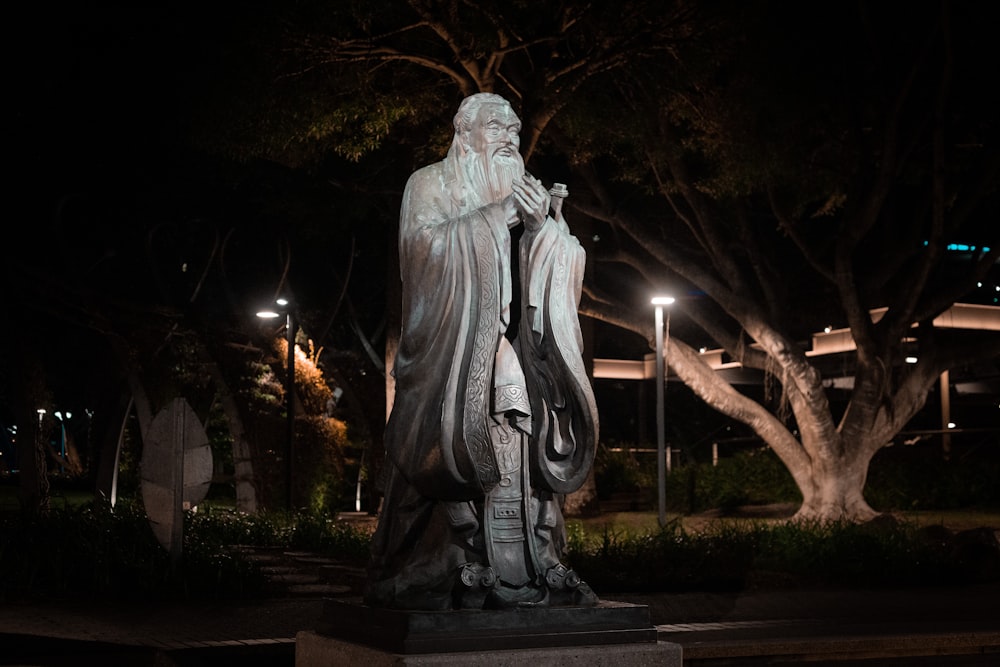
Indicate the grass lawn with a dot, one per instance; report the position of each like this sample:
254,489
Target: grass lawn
63,497
645,522
632,523
58,499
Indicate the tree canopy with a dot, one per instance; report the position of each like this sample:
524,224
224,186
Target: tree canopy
783,167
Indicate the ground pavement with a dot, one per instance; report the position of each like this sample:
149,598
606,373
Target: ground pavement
930,626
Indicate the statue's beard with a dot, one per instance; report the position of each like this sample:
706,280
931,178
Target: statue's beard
490,180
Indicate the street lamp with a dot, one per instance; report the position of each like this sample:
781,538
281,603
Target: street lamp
62,438
662,455
289,388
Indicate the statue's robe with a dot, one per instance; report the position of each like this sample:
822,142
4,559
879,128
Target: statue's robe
459,374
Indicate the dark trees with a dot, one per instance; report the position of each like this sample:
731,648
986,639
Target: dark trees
812,182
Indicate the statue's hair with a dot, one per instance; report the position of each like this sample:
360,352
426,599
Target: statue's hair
469,108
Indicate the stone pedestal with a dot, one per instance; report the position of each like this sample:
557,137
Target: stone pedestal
316,650
611,633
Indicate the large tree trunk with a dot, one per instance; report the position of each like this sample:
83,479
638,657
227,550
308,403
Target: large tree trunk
829,471
832,476
834,487
246,483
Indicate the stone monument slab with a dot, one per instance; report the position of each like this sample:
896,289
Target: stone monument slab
404,631
315,650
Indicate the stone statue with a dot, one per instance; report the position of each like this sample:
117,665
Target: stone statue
494,417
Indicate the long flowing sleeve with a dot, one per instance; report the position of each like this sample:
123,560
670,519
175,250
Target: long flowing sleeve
456,288
564,412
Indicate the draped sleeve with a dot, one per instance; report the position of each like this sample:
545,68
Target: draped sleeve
565,420
456,287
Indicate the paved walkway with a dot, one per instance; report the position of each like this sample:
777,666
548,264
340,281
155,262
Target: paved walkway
948,626
954,625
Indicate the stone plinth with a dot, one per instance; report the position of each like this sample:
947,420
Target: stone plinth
402,631
607,634
315,650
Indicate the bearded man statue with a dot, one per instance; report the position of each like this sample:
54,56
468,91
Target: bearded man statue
494,417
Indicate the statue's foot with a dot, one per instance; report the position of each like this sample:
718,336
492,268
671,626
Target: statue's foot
482,589
581,596
477,583
567,589
504,597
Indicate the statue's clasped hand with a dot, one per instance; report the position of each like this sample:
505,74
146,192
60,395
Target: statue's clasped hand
532,201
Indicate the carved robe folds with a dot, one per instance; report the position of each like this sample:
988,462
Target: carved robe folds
488,428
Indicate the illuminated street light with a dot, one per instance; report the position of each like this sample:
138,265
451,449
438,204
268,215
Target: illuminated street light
269,314
62,436
662,455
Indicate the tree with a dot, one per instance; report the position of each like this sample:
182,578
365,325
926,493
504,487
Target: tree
787,168
834,181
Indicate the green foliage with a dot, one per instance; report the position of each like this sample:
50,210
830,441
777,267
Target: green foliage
220,438
128,461
910,478
669,559
873,554
358,128
321,443
262,389
93,550
622,471
85,549
731,556
317,532
900,478
223,528
747,478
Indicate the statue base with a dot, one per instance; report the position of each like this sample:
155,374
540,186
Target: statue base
424,632
315,650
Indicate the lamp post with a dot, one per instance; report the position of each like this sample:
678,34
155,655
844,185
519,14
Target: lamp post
662,456
62,438
289,391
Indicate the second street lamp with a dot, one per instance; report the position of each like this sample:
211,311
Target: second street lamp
662,456
289,392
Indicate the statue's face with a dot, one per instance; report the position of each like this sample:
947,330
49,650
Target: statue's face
491,161
495,133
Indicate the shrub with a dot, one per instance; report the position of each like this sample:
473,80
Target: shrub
94,550
622,471
751,477
316,532
732,556
903,477
899,478
83,549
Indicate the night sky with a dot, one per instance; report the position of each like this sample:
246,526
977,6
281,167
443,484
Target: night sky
103,119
